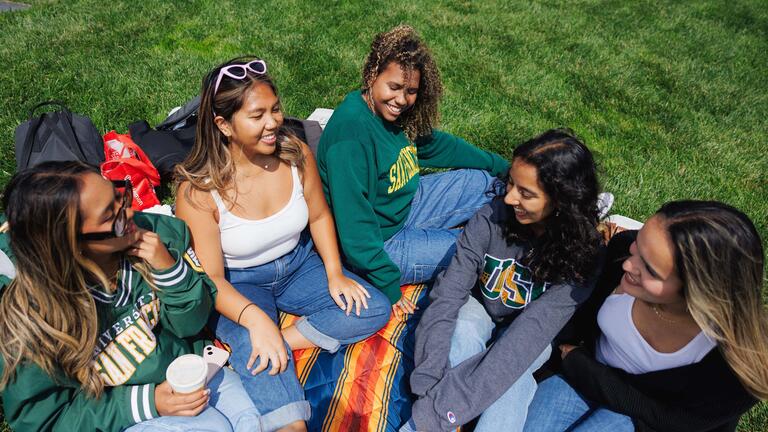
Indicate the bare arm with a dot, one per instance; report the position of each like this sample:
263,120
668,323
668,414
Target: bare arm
322,228
201,217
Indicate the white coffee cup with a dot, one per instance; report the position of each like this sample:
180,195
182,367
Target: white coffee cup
187,373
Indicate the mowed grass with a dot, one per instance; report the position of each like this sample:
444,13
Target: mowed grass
672,97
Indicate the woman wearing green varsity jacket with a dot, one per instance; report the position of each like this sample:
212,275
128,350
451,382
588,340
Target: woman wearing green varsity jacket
100,302
394,226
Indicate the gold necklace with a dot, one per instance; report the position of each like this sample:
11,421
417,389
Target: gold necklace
658,311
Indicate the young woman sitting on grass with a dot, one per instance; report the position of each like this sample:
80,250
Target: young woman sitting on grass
675,336
249,190
103,300
396,227
523,265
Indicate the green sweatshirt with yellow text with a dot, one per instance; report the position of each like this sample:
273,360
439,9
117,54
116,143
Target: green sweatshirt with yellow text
370,173
141,331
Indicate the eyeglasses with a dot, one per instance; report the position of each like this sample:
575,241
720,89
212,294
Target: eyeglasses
120,223
240,71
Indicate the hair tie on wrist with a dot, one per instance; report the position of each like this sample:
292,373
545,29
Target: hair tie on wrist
243,310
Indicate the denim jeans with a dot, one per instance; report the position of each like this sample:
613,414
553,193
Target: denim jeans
474,329
229,409
426,243
295,283
557,407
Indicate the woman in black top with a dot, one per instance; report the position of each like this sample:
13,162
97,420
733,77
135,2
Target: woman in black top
694,267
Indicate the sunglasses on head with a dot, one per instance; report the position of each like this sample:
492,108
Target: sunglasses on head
120,224
240,71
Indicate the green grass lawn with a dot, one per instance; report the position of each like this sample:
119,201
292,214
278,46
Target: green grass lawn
671,96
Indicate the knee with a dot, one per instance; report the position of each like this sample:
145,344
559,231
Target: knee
210,420
469,332
379,308
297,426
474,321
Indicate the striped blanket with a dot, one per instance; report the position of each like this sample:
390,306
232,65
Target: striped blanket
364,386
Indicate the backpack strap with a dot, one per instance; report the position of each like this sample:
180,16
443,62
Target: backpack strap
42,104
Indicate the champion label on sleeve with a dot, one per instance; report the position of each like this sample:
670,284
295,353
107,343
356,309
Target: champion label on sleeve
451,417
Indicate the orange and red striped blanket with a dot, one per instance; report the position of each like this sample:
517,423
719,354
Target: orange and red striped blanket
364,386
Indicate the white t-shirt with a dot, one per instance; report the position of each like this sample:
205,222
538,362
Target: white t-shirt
622,346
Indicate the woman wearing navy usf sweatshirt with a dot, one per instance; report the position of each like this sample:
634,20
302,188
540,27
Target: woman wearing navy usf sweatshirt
530,259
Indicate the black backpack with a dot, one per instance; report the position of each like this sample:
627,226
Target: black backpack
57,136
185,117
169,143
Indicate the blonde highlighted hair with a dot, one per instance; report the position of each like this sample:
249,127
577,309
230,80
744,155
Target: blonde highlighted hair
47,314
209,165
719,257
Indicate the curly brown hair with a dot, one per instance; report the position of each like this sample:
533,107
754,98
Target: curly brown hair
403,46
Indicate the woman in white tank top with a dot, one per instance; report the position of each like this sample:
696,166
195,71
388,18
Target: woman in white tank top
252,197
680,344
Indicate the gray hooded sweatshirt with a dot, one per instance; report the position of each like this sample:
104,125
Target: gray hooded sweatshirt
486,267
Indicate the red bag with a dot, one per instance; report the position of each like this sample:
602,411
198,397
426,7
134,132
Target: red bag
126,161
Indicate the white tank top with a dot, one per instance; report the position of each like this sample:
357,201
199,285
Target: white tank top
622,346
248,243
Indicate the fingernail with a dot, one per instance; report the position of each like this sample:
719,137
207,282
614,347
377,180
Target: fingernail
207,392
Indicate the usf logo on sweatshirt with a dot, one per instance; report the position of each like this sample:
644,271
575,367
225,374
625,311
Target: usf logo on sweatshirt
509,282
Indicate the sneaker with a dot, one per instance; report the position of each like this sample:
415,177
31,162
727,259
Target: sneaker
604,204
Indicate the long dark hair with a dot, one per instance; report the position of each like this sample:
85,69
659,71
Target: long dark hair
719,258
568,248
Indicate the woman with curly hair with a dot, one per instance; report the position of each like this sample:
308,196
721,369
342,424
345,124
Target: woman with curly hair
522,266
675,335
396,227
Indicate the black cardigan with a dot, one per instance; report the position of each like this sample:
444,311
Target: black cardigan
705,396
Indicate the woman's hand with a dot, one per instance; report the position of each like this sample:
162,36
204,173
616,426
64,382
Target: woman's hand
266,342
149,247
353,293
403,306
566,349
169,403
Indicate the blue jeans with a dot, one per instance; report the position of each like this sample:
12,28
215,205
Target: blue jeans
426,243
474,329
557,407
295,283
229,409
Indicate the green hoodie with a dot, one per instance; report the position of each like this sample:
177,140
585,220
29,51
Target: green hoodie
370,173
141,332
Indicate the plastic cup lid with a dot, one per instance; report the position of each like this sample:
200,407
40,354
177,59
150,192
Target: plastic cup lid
187,372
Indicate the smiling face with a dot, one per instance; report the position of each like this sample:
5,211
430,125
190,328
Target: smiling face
99,205
530,202
394,91
255,125
649,272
